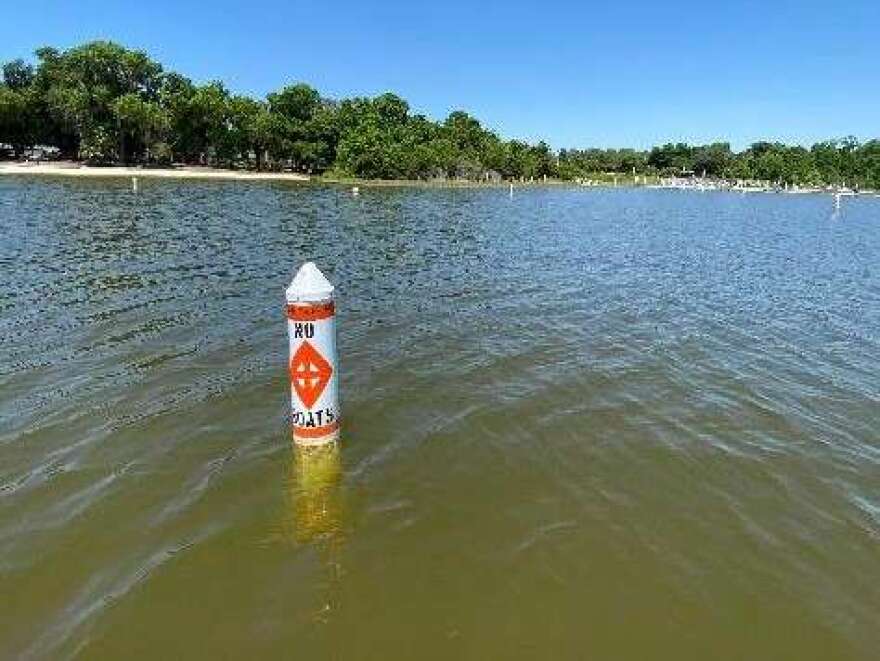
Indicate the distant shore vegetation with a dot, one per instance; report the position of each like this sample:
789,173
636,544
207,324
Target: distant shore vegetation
104,104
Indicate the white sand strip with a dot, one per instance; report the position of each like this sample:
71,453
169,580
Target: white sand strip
77,170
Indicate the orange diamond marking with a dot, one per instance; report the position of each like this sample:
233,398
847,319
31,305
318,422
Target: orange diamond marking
309,373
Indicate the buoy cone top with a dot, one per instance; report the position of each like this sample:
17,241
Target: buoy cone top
309,284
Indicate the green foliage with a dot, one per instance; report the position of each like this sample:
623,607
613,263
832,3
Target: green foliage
140,124
207,114
574,163
104,103
295,102
79,90
712,159
161,153
16,118
18,75
832,162
98,146
672,158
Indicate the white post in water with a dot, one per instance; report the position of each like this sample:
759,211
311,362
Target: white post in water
314,378
511,190
134,184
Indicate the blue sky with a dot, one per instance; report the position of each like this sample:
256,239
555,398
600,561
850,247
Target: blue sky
578,74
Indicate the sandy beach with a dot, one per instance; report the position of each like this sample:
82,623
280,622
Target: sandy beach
72,169
68,169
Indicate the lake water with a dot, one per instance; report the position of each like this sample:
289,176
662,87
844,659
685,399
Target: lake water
578,424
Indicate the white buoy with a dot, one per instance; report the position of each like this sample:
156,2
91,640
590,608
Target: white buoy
511,190
355,191
134,184
314,378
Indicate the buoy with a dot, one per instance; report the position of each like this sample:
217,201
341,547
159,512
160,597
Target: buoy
511,189
134,184
314,378
355,191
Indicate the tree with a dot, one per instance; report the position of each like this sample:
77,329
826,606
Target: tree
464,131
79,87
391,110
140,125
295,102
175,94
363,153
202,114
770,165
869,155
241,138
18,75
322,131
712,159
98,146
543,162
672,158
16,119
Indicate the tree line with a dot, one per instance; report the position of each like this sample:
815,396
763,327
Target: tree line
834,162
103,104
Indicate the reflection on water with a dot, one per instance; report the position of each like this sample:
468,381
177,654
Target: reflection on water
317,516
313,491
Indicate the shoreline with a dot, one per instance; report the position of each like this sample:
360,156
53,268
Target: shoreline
68,169
78,170
437,183
73,169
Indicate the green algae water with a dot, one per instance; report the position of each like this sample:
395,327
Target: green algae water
578,424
